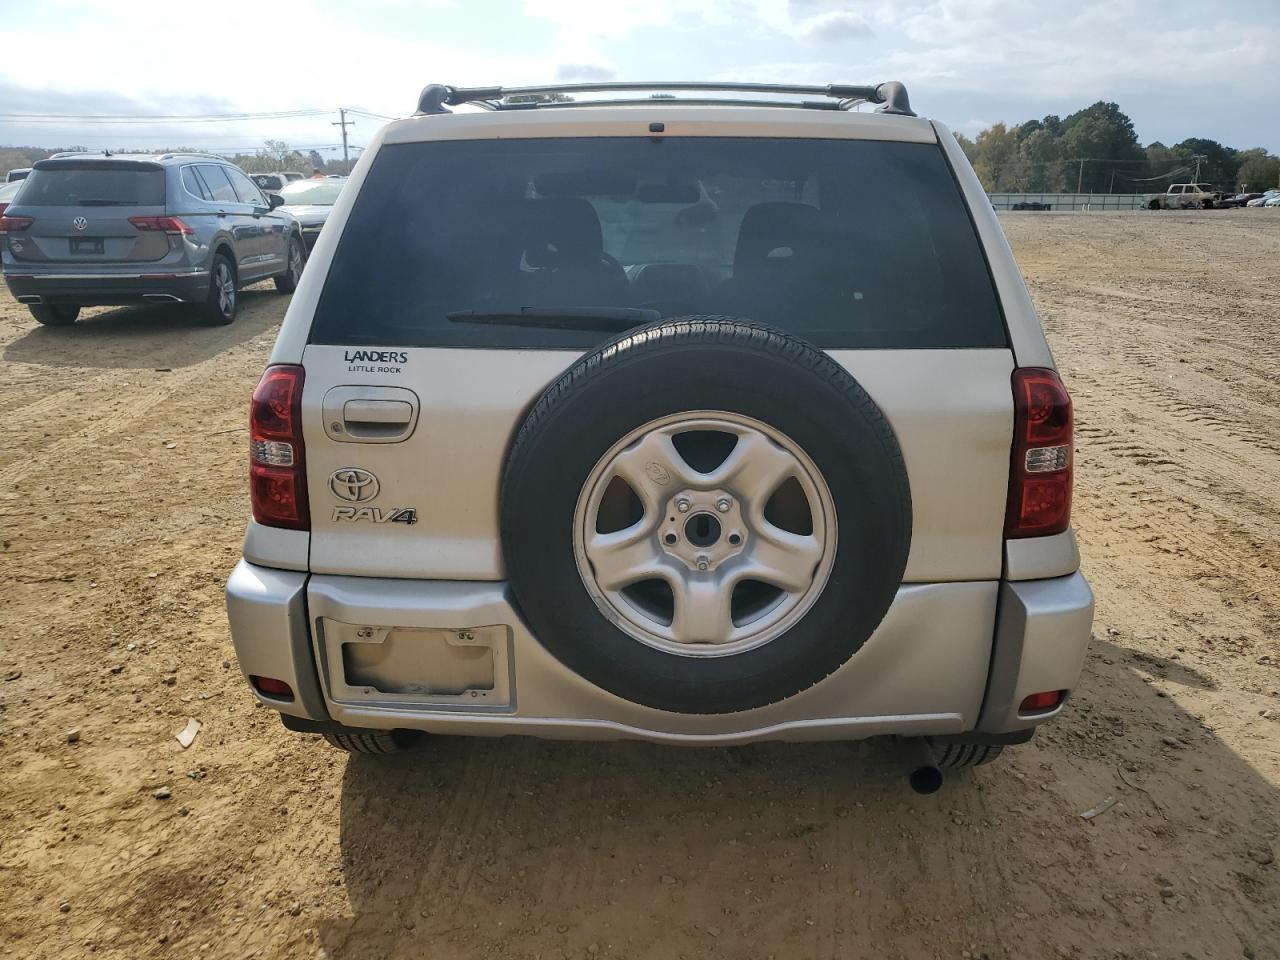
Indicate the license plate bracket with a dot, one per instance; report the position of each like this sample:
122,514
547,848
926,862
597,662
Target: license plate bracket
86,245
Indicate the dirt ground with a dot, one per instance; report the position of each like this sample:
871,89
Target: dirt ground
122,502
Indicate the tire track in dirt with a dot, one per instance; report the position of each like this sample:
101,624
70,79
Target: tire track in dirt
52,428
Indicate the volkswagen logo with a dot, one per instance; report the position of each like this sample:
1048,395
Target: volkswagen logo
353,484
80,223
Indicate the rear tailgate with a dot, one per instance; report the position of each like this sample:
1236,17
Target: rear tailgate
81,212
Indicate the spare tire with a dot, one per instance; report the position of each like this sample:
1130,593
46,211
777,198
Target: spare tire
705,516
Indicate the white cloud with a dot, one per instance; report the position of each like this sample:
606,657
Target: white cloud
585,72
834,26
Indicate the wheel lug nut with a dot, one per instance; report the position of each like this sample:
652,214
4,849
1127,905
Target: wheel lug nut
682,505
723,504
703,561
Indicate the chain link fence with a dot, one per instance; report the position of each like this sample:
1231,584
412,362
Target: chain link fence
1069,201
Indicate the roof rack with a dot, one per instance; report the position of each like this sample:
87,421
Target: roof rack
65,154
891,95
183,153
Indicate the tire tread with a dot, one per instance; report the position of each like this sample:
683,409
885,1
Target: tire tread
370,742
950,756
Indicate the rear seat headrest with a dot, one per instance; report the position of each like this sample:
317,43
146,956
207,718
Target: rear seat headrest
562,228
781,227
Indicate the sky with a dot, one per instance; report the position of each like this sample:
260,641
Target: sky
1178,69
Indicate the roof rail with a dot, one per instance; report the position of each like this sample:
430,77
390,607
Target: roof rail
183,153
892,96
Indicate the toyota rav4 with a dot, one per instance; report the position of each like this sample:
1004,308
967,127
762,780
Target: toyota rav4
702,420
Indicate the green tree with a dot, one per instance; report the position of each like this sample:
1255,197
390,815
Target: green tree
996,159
1041,152
1104,134
1258,170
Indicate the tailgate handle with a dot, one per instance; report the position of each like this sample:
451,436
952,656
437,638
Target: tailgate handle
356,413
377,419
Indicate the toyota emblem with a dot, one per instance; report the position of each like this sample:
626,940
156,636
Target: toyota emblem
80,223
353,484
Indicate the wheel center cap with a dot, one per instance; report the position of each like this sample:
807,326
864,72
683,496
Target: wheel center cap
702,529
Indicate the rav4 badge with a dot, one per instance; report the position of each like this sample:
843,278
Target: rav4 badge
407,515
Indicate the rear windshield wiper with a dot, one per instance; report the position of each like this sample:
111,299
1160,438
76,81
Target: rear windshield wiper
561,318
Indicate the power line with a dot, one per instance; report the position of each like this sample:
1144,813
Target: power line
1164,176
369,114
184,118
158,118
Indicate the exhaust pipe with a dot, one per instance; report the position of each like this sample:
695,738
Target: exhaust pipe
922,768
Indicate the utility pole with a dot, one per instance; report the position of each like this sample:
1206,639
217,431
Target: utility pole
1197,157
1112,187
344,123
1080,179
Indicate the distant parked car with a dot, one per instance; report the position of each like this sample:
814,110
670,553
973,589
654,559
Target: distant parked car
269,183
1244,198
16,174
91,229
309,202
1273,200
7,193
1261,200
291,175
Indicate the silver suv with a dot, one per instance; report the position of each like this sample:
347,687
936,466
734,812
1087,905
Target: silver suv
699,421
95,229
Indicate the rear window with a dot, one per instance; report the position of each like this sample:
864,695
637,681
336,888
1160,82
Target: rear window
848,243
94,183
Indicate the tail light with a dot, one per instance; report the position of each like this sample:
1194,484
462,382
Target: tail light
167,224
1040,476
1042,702
277,465
14,224
271,687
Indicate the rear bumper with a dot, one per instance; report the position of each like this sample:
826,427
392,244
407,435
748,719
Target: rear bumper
926,671
1042,634
108,289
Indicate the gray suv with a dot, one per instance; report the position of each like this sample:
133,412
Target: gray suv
95,229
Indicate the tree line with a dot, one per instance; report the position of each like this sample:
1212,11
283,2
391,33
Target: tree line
272,156
1095,150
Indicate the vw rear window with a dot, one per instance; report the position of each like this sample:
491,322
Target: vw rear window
94,183
849,243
